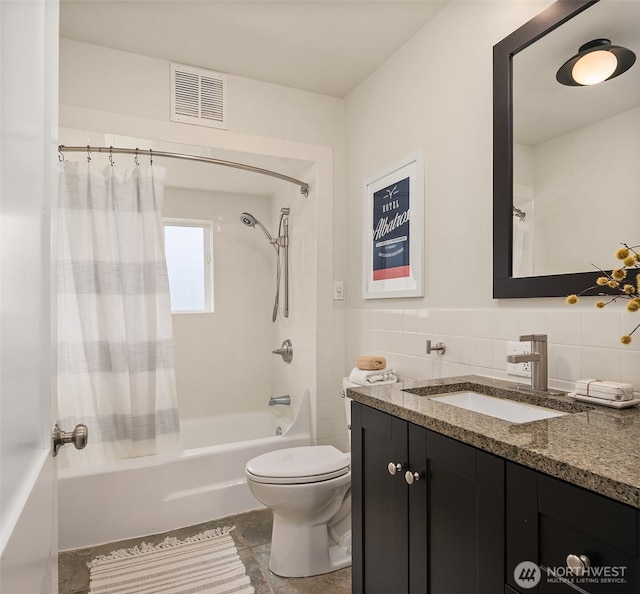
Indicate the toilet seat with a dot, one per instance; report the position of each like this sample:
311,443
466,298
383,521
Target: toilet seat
307,464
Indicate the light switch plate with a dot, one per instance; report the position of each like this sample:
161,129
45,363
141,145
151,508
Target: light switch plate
519,369
338,290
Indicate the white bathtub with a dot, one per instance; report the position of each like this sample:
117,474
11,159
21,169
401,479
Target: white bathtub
142,496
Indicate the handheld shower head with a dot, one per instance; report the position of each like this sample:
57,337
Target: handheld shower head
248,219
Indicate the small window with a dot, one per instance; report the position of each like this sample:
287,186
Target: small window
188,248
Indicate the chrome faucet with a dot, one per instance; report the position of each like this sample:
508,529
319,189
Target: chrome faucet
538,359
279,400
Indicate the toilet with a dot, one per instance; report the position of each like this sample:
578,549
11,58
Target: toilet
309,492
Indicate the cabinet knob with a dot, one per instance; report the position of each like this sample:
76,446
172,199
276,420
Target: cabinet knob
578,564
392,467
411,477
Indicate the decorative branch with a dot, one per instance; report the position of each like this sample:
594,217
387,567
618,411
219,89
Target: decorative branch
614,281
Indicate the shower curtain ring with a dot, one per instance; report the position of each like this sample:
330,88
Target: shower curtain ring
88,154
136,157
111,156
60,154
151,156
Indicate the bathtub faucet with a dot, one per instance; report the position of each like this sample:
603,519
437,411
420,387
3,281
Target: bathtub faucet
279,400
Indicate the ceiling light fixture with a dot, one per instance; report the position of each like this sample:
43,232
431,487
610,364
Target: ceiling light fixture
594,63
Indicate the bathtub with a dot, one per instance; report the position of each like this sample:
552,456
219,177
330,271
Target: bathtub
141,496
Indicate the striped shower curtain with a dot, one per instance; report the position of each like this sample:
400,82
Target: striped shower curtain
115,345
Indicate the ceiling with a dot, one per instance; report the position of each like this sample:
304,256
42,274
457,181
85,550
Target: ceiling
325,46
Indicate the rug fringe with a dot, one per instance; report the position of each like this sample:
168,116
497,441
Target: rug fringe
168,543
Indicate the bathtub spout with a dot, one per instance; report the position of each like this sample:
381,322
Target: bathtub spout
279,400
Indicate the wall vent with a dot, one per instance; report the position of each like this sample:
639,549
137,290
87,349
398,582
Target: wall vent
198,96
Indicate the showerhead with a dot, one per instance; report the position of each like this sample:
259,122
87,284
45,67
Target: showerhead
248,219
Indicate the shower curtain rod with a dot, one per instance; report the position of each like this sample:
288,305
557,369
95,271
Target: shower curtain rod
112,150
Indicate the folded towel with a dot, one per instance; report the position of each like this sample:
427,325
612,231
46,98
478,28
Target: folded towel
604,389
367,377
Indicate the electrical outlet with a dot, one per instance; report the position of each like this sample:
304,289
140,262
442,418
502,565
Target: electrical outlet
519,369
338,290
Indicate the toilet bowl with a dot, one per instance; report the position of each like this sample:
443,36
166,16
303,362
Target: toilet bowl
309,492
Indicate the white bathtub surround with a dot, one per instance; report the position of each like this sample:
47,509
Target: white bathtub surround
115,348
223,358
147,495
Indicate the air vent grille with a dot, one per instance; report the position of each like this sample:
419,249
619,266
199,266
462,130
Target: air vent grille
198,96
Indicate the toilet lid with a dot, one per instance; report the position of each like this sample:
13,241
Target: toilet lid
299,465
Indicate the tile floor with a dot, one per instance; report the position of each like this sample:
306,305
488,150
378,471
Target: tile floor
252,537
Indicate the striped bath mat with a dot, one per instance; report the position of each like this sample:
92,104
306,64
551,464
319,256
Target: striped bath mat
207,564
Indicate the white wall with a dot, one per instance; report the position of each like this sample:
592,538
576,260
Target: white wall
109,94
435,95
118,82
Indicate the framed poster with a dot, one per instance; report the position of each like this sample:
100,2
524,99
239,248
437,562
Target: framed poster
394,231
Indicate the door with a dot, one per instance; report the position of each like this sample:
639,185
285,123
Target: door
28,187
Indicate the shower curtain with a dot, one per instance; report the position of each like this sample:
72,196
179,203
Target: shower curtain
115,345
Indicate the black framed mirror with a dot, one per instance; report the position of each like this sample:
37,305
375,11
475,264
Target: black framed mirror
546,28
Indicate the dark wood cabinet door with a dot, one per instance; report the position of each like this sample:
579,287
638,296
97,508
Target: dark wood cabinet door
465,519
380,523
548,519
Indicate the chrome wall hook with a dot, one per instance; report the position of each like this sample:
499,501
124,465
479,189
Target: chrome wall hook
439,348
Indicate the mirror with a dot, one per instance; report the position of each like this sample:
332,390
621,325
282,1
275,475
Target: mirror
566,188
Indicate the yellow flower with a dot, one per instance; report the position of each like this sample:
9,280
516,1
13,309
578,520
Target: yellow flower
602,280
571,299
619,273
622,253
630,260
600,304
613,284
633,305
629,289
626,339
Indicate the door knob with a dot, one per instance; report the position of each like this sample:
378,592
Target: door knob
412,477
392,467
79,437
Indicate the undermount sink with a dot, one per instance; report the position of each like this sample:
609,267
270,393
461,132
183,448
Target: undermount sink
507,410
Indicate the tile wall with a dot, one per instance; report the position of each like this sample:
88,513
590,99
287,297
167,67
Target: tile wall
582,343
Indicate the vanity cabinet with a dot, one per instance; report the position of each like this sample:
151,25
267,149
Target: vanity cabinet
548,520
428,511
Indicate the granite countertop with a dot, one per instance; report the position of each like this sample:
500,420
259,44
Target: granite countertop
594,447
